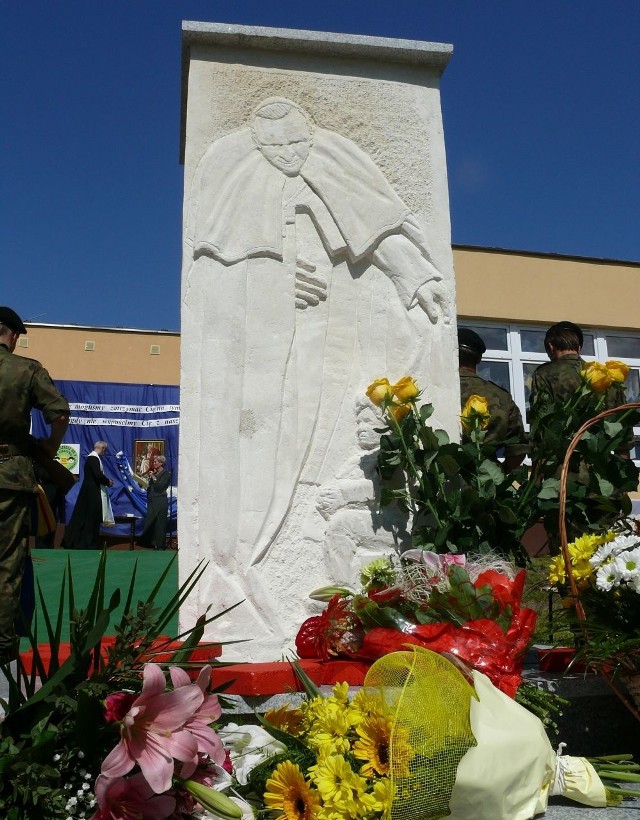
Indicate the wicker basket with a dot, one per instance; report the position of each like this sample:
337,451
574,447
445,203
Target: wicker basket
632,685
631,698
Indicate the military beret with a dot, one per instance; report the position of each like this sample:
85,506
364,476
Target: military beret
559,327
11,319
470,340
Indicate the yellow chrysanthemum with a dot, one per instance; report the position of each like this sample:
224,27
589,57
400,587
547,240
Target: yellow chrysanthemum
336,781
346,810
363,706
383,792
287,719
289,793
557,573
329,724
583,548
582,570
341,693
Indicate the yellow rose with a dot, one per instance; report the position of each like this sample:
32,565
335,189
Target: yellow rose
399,411
617,370
405,389
597,376
475,406
379,390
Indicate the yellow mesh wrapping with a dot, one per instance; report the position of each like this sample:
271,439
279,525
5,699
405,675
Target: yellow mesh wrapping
430,701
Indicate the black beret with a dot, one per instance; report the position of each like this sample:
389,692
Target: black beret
561,326
470,340
11,319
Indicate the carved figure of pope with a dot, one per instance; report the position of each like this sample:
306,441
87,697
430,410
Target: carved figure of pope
286,220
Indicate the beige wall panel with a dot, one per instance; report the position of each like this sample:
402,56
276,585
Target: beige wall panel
118,355
542,288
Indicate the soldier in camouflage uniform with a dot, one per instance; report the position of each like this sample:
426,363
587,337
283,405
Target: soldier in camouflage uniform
505,420
558,379
24,384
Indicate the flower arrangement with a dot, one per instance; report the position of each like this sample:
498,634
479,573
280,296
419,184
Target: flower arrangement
606,569
458,496
412,742
107,734
447,603
327,758
600,474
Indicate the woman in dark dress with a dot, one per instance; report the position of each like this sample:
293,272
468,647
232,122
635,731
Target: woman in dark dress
83,530
154,527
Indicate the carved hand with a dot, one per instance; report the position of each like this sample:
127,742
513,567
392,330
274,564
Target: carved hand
311,288
329,501
433,298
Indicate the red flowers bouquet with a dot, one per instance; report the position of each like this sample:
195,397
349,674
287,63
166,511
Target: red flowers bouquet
471,609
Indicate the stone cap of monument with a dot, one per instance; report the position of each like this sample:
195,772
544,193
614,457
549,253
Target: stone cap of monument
320,43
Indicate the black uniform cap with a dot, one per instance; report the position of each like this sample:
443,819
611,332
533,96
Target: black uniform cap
11,319
559,327
470,340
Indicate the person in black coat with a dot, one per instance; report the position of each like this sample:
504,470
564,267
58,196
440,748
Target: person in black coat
83,530
154,527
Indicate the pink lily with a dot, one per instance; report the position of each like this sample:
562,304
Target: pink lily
121,798
433,559
153,733
199,724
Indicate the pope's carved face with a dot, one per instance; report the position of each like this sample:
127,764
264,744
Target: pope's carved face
366,423
285,143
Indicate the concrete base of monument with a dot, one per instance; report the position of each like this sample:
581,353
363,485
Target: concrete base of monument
595,722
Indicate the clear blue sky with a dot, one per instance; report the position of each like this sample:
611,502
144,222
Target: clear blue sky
541,114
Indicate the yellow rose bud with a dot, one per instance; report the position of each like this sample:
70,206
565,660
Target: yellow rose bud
475,406
378,391
597,376
399,411
617,370
405,389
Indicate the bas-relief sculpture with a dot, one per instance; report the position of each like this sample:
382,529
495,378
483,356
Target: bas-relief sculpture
307,276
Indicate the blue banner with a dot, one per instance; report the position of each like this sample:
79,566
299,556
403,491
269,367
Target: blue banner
139,420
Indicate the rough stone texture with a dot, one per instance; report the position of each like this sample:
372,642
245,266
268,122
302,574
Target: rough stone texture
277,488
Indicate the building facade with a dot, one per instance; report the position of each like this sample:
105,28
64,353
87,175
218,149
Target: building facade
509,297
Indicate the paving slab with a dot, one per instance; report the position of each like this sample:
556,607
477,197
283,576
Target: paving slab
560,809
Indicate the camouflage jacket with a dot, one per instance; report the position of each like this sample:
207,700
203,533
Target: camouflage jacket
505,420
24,384
558,380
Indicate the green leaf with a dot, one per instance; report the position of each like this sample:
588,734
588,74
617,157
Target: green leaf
449,465
612,428
550,489
388,495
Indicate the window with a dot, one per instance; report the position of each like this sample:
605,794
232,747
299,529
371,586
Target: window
514,352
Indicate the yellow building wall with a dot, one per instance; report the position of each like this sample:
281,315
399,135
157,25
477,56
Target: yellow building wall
491,284
527,287
118,355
